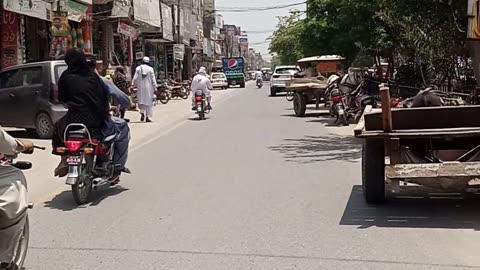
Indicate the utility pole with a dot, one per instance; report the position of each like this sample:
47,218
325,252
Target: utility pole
179,41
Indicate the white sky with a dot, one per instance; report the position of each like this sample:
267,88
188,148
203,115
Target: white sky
256,21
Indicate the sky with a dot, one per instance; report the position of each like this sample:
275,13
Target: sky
256,21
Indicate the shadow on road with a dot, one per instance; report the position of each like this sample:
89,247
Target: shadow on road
329,121
312,149
406,211
64,201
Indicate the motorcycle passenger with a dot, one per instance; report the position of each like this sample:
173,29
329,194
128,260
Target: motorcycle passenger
86,98
202,82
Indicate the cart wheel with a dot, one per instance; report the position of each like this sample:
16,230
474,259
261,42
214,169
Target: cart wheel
373,171
300,104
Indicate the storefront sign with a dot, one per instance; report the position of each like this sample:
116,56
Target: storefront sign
474,20
88,2
76,11
167,22
178,51
127,30
9,39
147,11
60,26
38,9
243,40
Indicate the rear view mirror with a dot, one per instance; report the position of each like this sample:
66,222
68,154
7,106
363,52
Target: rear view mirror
22,165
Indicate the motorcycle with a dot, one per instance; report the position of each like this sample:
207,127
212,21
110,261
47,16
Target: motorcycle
164,93
338,106
178,90
14,222
89,161
201,105
259,83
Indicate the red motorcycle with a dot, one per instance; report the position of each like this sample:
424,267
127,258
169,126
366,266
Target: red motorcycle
89,161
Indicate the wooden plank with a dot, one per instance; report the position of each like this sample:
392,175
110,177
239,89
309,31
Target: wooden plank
433,170
427,118
423,133
386,109
361,123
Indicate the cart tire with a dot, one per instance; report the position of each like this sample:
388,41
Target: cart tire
373,171
299,104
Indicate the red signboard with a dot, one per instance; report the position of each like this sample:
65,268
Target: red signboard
9,38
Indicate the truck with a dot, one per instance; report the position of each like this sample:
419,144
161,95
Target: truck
234,69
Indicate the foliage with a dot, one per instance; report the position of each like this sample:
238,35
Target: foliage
427,33
285,41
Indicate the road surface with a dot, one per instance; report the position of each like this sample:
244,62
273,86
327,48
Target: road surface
252,187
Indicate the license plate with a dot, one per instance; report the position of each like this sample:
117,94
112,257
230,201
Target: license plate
341,112
74,160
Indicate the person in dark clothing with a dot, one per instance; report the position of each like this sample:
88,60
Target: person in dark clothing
82,92
120,80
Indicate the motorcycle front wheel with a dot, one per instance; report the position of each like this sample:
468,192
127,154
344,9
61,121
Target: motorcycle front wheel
82,189
20,251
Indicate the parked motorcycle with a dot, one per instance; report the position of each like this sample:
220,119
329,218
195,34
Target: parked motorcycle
89,161
14,223
338,106
201,105
164,93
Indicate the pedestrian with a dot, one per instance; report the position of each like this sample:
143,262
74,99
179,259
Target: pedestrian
146,84
120,80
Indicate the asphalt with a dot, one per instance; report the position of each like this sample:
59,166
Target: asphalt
251,187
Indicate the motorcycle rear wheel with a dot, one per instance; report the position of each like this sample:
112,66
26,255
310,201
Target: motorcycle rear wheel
163,98
82,189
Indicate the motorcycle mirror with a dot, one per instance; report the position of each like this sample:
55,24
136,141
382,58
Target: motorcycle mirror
22,165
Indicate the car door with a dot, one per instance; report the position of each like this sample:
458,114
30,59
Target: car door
9,81
27,97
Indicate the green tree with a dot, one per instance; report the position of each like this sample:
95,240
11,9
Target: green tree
286,39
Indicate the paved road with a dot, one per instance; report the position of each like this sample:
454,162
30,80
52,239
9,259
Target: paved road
251,188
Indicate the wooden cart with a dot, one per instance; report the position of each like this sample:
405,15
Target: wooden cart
306,91
311,90
436,147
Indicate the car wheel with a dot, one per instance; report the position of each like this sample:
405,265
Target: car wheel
44,126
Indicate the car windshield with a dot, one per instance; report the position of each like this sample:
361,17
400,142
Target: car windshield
218,76
59,69
286,70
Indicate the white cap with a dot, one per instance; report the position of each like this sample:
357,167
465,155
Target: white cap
146,59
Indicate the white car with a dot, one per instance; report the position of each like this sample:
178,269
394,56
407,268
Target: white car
281,78
219,80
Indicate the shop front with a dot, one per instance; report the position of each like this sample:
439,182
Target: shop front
71,28
25,31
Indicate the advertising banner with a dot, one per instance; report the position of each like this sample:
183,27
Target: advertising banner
9,39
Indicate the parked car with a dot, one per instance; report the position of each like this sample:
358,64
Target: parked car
281,78
29,96
219,80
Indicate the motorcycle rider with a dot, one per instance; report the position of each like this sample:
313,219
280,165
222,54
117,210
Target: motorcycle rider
258,77
12,196
116,126
201,82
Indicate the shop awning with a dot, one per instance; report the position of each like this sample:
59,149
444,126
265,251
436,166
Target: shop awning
147,12
76,11
39,9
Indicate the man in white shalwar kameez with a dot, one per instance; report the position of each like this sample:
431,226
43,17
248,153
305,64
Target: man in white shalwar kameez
145,82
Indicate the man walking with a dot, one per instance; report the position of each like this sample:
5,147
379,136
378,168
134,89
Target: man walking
145,82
